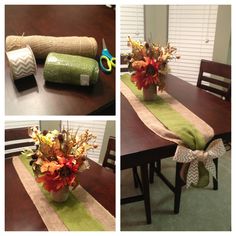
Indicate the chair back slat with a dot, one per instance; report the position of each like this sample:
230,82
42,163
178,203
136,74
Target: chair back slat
16,140
109,159
217,69
16,133
215,81
19,145
124,64
213,90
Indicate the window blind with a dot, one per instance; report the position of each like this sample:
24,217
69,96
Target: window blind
95,127
20,124
192,30
132,24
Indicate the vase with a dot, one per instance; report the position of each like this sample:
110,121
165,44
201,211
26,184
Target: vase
60,195
150,93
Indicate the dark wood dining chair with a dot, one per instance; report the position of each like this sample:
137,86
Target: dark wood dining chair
16,140
110,156
221,87
124,64
219,81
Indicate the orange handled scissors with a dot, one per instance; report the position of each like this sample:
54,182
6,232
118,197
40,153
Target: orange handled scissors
108,58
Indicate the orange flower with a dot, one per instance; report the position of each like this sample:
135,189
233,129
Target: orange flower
146,74
51,166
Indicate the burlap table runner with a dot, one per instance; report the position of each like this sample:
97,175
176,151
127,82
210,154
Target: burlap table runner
169,119
81,212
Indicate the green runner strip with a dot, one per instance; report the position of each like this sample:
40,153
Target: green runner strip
172,119
72,212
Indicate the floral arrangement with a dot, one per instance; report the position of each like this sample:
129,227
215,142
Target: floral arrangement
149,61
59,157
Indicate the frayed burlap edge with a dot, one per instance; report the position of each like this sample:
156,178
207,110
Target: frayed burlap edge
47,213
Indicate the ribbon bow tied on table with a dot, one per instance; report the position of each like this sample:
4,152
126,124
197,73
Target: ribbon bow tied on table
215,149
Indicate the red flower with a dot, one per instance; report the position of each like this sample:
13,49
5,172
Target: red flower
146,73
62,177
72,165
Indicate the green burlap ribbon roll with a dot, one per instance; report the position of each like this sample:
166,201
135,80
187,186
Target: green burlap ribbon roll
70,69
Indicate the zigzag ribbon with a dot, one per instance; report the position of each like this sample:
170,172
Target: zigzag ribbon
215,149
22,62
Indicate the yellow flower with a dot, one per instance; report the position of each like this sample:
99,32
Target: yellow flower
47,140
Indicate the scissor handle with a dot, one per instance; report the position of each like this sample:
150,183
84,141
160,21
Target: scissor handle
109,64
113,61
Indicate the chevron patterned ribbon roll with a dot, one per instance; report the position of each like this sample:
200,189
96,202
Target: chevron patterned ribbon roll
21,62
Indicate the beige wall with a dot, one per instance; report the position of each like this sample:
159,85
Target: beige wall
156,23
222,46
50,124
109,131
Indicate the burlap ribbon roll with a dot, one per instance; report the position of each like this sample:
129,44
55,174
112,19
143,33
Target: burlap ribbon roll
70,69
21,62
43,45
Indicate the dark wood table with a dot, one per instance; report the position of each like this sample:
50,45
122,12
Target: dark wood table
140,146
22,215
32,96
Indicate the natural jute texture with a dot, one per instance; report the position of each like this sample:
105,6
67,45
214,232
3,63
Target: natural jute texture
43,45
80,212
70,69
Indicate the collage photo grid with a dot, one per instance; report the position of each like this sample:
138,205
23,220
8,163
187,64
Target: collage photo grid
117,117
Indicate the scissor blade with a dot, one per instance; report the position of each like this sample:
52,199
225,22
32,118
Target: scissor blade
103,44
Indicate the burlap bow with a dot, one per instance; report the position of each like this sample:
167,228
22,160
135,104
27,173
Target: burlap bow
215,149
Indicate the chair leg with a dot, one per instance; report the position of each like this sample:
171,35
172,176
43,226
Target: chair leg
154,167
146,193
178,188
151,172
135,176
215,181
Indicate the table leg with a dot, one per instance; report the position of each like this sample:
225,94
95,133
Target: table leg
146,193
178,188
215,181
151,172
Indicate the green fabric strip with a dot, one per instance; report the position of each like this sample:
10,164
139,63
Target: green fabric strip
73,213
70,69
172,119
